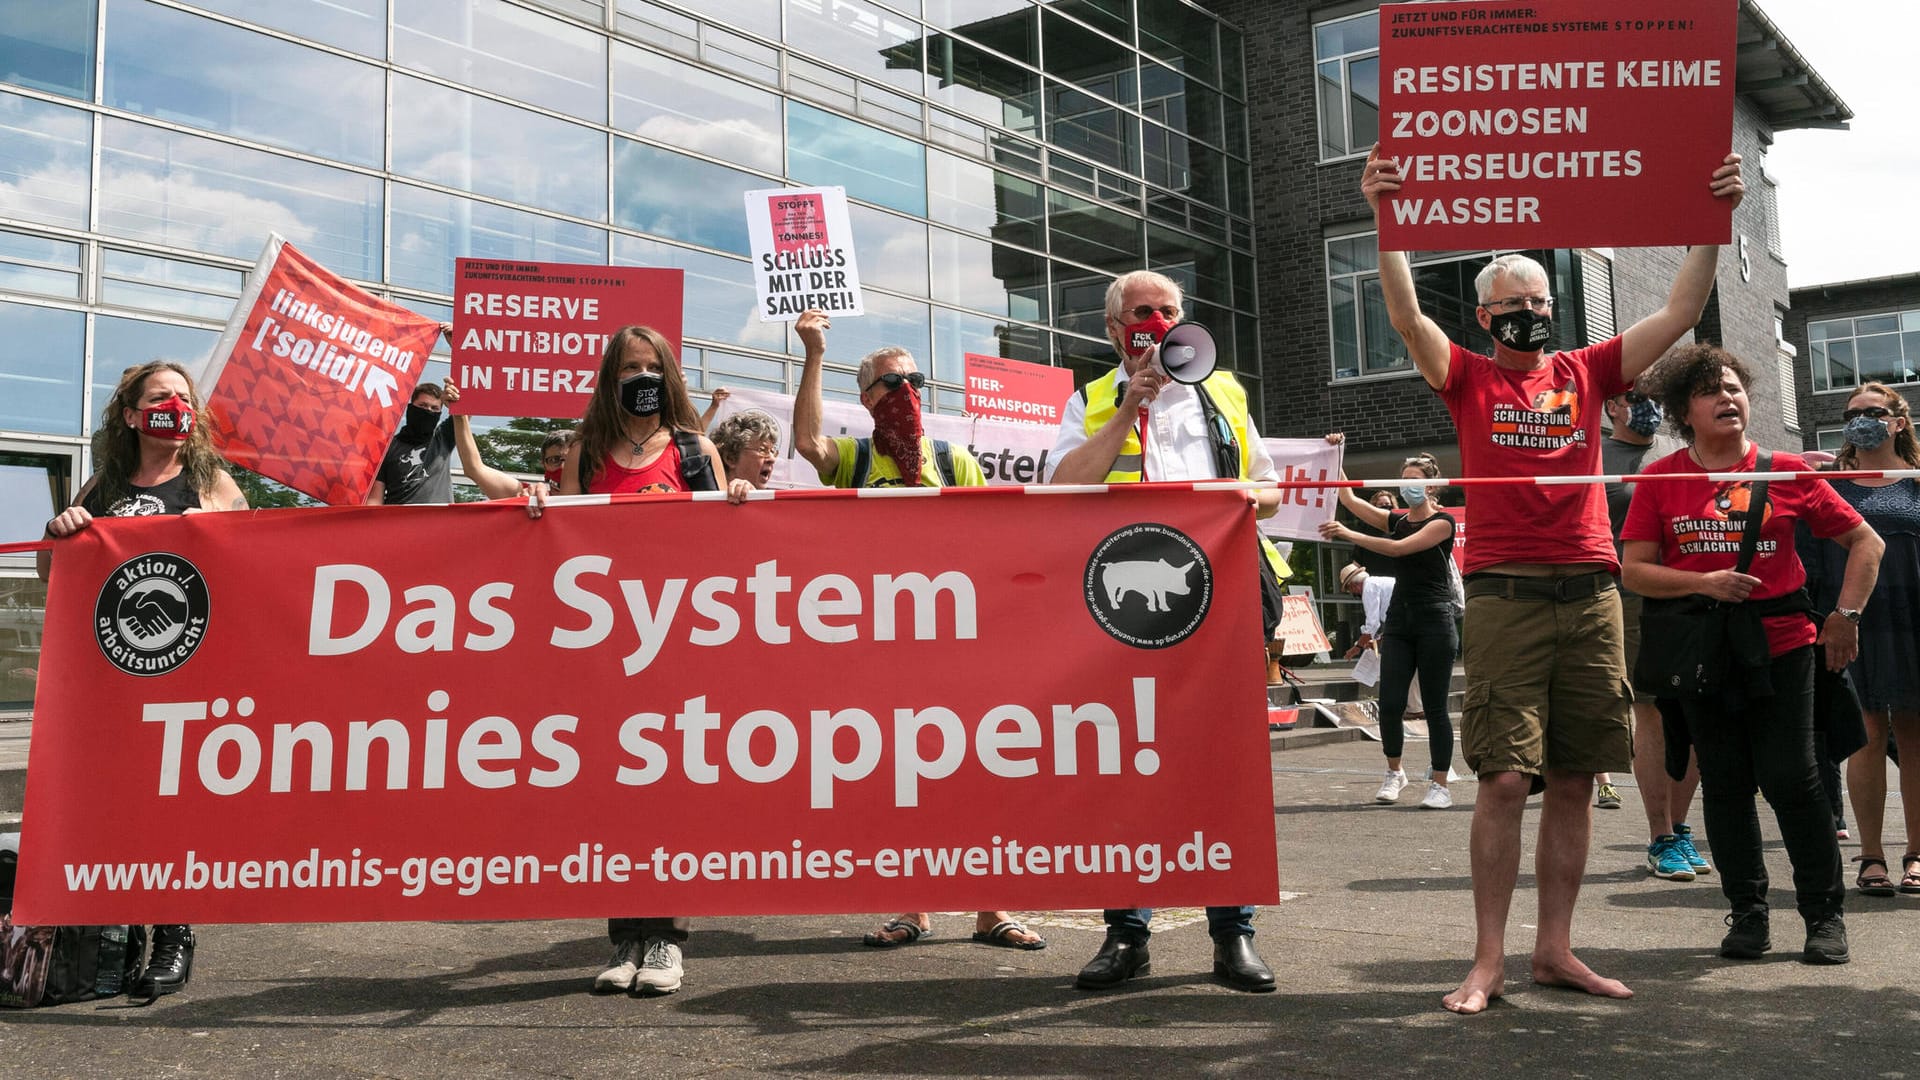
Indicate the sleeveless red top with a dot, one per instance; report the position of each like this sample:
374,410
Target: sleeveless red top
660,474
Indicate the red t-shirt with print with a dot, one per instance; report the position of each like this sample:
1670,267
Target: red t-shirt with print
1544,422
1698,522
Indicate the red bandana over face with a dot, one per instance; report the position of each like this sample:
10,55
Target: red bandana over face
896,430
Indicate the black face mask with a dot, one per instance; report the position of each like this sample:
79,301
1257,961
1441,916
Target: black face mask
420,423
640,392
1522,331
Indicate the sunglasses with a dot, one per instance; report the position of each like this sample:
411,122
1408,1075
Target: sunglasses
892,380
1875,411
1145,312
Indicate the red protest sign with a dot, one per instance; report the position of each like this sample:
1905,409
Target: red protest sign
1544,126
528,337
799,221
312,376
603,724
1005,389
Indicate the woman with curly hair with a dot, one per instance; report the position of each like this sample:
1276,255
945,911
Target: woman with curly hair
153,458
1755,732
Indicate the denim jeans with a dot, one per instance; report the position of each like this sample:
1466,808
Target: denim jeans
1766,744
1130,924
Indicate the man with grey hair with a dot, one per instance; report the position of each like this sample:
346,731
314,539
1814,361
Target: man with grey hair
898,455
1547,700
1135,423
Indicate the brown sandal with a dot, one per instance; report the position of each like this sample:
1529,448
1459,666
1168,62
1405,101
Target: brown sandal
1910,873
1875,883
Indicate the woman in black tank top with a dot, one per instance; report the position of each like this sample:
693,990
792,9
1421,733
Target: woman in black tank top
153,459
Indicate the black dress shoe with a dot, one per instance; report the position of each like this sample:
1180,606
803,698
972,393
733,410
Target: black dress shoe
171,964
1236,964
1117,961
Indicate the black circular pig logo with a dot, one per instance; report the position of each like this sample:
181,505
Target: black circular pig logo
1149,585
151,614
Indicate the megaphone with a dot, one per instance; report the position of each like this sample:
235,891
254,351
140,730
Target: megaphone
1188,354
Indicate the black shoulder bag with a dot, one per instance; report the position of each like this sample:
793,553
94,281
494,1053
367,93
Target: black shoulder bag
1686,642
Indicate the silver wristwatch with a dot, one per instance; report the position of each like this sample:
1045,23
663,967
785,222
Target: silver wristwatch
1850,614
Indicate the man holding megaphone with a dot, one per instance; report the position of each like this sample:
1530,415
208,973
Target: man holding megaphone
1166,413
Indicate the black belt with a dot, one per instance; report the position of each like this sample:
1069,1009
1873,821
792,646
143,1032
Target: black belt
1556,589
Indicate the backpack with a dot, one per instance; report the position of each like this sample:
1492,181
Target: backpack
53,965
696,468
863,461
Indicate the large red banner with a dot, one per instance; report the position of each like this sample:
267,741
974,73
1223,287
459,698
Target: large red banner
312,377
652,706
528,337
1556,124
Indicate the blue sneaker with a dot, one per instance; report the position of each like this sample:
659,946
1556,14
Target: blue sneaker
1683,839
1665,861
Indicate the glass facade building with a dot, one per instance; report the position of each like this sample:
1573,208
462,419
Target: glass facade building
1005,159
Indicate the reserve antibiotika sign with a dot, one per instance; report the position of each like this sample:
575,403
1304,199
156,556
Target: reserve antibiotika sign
315,715
1556,124
1003,389
528,337
802,253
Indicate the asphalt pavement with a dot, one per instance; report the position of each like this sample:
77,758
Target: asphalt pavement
1374,925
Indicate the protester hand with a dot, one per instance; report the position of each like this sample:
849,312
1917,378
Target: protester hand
68,521
449,392
446,330
1727,182
1354,653
1335,438
1333,530
720,394
1143,389
1842,641
1380,177
812,330
738,490
1729,585
536,493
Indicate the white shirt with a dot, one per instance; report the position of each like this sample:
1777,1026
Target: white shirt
1177,447
1375,594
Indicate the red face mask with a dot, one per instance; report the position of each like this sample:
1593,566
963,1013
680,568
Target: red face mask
553,477
1138,337
896,430
169,419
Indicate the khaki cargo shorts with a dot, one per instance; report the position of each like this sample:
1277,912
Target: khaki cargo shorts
1547,684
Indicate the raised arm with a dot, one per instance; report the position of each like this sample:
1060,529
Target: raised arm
1650,338
820,451
1426,343
720,394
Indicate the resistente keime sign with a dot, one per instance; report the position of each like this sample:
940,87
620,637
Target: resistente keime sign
528,337
1556,123
311,376
316,716
803,253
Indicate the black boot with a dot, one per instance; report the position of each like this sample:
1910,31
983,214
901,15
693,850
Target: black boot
1236,964
171,964
1117,961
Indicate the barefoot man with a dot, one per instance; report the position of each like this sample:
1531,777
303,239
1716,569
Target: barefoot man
1546,704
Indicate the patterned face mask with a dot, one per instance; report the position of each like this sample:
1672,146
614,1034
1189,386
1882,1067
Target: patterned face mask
1866,432
1644,419
896,429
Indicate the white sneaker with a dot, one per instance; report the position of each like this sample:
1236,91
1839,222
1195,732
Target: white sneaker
1438,797
660,970
621,968
1391,787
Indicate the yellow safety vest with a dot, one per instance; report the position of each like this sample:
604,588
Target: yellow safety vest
1228,397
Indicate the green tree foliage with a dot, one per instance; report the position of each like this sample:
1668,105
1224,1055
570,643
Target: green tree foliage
515,446
264,494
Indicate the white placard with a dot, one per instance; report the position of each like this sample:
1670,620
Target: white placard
802,253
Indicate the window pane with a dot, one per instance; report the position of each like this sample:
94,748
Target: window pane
171,285
956,333
1175,33
1095,235
859,37
989,277
1091,128
40,382
201,73
1009,27
478,145
1233,68
1086,358
1879,357
1840,370
1080,299
356,25
1204,270
1385,350
889,321
431,229
1183,104
201,195
119,344
681,198
873,165
892,249
680,105
1817,363
1346,36
1332,94
46,154
1910,320
507,50
1093,62
38,264
971,196
1876,324
1820,331
1363,101
48,46
982,85
719,303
